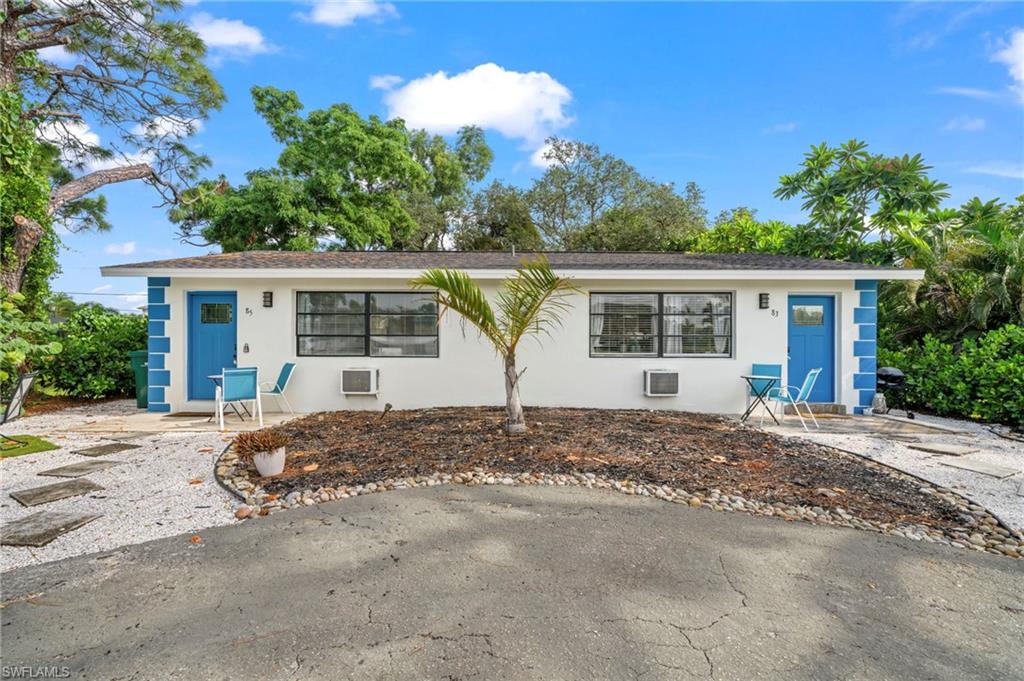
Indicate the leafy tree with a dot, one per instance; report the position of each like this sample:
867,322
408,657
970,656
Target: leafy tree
738,231
499,219
25,343
851,193
586,198
341,179
451,170
530,302
137,74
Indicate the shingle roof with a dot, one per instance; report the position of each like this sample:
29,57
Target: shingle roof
417,260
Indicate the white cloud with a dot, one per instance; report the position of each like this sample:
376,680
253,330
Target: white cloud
57,54
1012,55
101,289
780,128
168,126
339,13
229,37
126,248
969,92
1013,170
385,82
523,106
965,124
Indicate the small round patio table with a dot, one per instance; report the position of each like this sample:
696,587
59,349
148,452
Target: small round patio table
768,382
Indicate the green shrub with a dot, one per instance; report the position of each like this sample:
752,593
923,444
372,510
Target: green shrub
982,380
94,362
25,343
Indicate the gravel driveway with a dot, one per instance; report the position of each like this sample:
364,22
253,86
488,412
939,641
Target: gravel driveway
152,493
520,583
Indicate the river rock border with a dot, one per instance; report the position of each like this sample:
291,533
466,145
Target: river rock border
980,531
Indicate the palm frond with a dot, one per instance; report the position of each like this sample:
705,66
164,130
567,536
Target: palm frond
533,301
455,290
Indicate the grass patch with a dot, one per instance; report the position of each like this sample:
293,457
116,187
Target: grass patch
33,445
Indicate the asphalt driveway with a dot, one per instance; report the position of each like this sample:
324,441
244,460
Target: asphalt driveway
519,583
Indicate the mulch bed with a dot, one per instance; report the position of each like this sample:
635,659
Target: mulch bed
37,404
696,452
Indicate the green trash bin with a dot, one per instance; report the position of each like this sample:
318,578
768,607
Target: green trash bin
140,366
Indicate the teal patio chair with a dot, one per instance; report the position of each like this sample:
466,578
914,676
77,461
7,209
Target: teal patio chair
787,396
238,386
277,389
758,386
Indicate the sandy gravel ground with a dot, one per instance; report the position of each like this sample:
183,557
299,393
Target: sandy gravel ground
163,488
1003,497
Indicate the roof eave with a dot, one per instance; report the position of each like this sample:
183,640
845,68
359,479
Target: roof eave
484,274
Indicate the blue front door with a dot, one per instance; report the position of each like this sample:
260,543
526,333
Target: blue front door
211,340
812,342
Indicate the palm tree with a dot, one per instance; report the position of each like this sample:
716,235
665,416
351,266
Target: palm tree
530,302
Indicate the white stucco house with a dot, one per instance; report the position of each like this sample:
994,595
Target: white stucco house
705,317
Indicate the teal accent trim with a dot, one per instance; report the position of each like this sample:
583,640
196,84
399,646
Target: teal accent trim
156,295
860,411
867,332
156,394
158,281
159,377
156,360
869,299
155,328
865,285
865,348
868,365
866,397
861,315
160,312
159,344
162,407
864,381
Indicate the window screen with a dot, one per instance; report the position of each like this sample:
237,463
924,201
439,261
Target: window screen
215,313
341,324
661,324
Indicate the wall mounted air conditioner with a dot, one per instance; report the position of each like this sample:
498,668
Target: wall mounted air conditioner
360,381
661,383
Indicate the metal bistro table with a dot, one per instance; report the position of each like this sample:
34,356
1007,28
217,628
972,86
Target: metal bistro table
769,382
217,378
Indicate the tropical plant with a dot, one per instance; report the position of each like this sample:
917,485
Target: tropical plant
94,362
851,193
529,303
25,343
249,444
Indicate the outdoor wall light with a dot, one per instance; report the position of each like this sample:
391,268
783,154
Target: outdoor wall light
268,299
762,301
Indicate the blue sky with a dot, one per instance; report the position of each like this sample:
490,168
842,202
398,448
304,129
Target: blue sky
727,95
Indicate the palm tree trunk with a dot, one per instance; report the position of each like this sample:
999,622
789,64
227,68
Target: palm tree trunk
513,406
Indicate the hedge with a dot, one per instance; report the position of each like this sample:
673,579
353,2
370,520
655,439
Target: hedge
983,379
94,362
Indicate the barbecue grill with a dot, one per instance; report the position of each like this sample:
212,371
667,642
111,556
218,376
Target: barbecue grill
893,383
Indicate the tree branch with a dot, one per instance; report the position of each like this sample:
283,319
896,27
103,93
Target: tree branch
27,235
81,186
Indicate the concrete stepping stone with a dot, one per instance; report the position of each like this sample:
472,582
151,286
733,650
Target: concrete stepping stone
103,450
78,470
58,490
983,467
943,448
39,529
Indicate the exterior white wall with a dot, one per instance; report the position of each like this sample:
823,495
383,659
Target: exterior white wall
559,369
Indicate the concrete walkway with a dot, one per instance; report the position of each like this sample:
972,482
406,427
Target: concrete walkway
520,583
891,441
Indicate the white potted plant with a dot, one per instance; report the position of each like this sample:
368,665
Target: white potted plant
265,448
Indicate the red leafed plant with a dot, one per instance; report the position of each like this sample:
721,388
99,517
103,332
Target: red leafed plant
258,441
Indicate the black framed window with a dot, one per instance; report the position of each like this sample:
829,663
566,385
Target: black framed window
661,325
345,324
